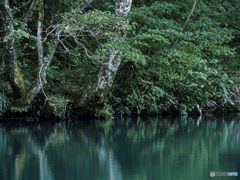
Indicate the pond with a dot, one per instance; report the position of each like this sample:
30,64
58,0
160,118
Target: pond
146,148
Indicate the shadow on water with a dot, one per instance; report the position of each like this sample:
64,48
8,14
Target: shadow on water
142,148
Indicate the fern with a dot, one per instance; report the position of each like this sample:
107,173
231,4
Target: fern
4,102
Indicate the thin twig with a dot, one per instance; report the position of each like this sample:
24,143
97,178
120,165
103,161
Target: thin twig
190,14
223,102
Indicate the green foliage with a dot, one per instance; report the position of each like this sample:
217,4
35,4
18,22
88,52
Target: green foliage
106,111
4,102
183,65
18,34
165,67
19,109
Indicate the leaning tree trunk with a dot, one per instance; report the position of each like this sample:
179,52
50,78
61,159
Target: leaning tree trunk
9,54
94,90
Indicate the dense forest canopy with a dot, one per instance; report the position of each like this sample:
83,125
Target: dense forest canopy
119,57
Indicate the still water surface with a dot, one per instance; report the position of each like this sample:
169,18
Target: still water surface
150,148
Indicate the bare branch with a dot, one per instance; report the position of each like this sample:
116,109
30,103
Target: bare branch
29,13
206,8
146,82
24,4
49,56
195,16
81,6
89,54
58,31
234,9
224,102
50,33
65,47
190,14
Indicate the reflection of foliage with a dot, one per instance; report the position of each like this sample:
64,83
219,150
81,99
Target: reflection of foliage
21,130
3,140
147,144
59,135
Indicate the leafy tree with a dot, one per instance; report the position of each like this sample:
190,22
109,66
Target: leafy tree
183,51
73,25
160,56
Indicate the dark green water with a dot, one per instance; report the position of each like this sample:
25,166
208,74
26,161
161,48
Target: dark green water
168,148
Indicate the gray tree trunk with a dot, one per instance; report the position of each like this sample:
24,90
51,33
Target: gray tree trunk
9,54
94,90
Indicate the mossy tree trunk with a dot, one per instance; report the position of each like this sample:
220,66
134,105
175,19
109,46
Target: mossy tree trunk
99,86
9,54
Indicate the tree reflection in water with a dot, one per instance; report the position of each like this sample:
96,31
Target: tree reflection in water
123,149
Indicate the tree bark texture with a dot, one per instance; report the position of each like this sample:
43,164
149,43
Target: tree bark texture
99,86
9,54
